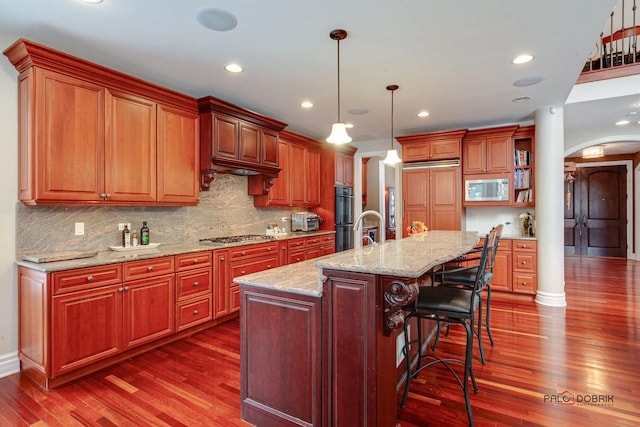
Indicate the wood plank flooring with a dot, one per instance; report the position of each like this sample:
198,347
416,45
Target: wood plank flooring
587,351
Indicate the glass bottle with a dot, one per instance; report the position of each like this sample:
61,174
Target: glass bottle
126,237
144,234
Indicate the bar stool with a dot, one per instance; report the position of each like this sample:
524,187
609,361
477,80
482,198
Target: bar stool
452,305
465,276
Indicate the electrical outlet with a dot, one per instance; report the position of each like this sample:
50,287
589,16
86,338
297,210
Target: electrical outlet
285,219
79,228
122,224
400,346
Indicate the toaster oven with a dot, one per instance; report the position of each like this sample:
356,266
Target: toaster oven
305,221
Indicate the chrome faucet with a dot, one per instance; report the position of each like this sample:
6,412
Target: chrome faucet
381,232
370,240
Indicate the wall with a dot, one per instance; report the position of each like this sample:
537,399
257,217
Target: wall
8,198
224,210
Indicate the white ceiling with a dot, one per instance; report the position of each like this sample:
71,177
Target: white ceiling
452,59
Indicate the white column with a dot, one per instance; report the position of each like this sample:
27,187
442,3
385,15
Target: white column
549,173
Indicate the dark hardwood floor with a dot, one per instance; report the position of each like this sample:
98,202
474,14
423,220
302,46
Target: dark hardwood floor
588,351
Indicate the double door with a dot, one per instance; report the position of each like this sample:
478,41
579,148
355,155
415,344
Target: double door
433,197
595,215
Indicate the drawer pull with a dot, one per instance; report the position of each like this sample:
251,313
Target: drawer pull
195,312
268,265
242,272
524,283
243,253
149,268
120,289
524,262
195,261
269,248
222,258
126,288
284,249
196,283
90,279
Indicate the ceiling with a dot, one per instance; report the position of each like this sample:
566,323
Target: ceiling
452,59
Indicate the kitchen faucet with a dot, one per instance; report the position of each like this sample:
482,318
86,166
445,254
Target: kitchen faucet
356,225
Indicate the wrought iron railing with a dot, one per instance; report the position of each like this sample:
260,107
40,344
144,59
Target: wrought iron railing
618,47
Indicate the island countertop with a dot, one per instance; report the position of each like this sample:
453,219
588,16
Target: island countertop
409,257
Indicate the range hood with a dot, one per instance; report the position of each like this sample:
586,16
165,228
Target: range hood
237,141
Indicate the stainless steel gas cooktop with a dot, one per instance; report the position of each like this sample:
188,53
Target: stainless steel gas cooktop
234,239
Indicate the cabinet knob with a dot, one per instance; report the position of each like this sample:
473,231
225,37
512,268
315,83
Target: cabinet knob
103,195
120,289
268,249
243,253
242,272
150,268
195,261
222,258
268,265
108,195
126,288
524,262
524,283
90,279
284,249
196,311
196,283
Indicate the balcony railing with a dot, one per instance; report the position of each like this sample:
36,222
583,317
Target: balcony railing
617,53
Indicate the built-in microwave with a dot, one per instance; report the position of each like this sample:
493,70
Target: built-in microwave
484,190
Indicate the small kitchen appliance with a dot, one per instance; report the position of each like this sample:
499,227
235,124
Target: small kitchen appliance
305,221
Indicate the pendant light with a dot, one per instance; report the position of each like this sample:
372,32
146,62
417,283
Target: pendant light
392,155
338,130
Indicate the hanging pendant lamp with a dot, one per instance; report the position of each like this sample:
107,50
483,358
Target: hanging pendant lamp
392,155
338,130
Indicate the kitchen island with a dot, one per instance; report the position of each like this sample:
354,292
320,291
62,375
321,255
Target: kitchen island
319,338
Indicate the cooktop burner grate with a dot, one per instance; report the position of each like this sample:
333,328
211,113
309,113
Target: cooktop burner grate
234,239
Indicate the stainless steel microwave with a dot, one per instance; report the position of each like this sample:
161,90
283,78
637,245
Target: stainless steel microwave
484,190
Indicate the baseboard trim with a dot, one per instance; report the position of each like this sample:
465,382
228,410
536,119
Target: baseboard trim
9,364
551,300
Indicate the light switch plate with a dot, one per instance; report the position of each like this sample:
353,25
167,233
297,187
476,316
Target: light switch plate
79,228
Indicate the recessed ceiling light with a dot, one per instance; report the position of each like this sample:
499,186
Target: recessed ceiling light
528,81
622,122
522,59
632,113
233,68
92,1
348,125
521,99
216,19
306,104
423,114
358,111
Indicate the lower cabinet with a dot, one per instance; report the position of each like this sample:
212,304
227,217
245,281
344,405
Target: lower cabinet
194,289
524,266
502,267
304,248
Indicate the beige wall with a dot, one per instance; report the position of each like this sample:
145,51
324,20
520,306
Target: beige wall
8,198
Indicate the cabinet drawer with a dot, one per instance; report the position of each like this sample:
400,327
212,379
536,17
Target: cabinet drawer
192,313
192,283
296,244
253,266
148,268
504,245
524,245
194,260
297,256
85,278
254,250
524,283
524,262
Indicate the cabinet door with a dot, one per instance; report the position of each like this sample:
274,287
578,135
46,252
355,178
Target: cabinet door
502,271
149,308
279,192
270,150
444,196
178,152
297,174
130,151
225,136
86,327
415,190
250,144
473,156
69,140
446,149
348,170
221,283
312,186
499,154
339,169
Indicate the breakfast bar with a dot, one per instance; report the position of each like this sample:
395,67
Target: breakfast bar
319,338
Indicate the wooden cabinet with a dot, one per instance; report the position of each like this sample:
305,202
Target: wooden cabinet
298,183
267,353
433,197
431,146
233,138
524,266
238,261
194,289
89,135
344,170
502,267
488,151
296,250
318,246
336,169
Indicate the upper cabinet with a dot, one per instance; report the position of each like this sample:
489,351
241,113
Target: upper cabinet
91,135
488,151
298,183
431,146
344,169
235,139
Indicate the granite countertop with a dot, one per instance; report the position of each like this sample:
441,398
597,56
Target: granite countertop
112,257
409,257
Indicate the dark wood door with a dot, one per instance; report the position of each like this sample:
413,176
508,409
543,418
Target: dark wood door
595,212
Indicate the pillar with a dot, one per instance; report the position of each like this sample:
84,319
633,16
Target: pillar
549,211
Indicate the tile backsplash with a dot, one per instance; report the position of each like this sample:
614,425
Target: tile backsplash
226,209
